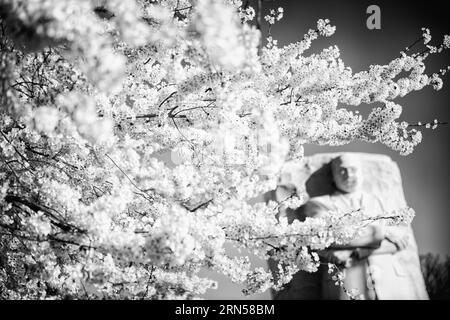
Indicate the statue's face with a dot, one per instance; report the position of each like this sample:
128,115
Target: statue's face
347,173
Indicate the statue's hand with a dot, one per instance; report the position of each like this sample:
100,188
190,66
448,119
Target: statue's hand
399,240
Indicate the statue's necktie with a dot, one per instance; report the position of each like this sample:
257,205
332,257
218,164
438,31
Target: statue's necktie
356,200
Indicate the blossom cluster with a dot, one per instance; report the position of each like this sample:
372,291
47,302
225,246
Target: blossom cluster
134,136
274,15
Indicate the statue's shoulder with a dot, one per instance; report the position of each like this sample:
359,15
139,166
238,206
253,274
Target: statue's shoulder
324,202
316,206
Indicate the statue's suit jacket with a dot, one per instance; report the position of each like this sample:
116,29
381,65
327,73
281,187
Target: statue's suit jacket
382,276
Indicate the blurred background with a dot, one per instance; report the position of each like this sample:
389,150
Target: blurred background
425,173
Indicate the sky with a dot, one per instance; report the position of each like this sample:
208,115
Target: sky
425,173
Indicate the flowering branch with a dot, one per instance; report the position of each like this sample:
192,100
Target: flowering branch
89,199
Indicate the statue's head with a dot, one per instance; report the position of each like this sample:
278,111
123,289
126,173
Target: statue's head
347,173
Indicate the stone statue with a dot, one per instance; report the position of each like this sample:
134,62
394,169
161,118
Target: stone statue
381,264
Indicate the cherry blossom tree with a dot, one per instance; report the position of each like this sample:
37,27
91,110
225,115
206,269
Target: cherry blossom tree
135,132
